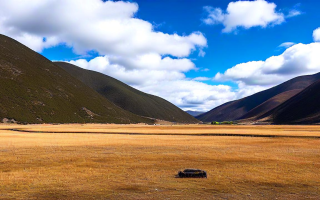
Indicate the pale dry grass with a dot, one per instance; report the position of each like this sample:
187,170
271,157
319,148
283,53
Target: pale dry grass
111,166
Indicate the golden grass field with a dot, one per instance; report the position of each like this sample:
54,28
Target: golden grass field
96,161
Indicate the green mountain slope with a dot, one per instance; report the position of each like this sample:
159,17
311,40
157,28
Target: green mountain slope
127,97
35,90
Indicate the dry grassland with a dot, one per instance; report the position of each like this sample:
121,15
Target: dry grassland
96,162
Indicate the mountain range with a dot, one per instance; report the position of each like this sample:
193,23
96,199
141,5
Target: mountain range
36,90
279,104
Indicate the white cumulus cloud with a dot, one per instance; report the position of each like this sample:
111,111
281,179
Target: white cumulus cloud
192,95
246,14
107,27
132,76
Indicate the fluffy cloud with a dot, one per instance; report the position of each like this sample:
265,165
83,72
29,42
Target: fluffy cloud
316,35
192,95
132,76
153,61
300,59
246,14
107,27
171,85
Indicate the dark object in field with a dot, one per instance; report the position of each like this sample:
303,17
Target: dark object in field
192,173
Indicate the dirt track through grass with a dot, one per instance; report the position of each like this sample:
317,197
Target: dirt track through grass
113,166
173,134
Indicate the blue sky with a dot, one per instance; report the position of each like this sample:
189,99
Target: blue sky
184,17
189,47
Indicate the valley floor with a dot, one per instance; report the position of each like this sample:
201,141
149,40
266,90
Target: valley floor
95,161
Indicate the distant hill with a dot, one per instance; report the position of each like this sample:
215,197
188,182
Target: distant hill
303,108
35,90
127,97
194,113
259,103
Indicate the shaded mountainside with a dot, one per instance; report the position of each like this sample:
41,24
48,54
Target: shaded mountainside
270,104
35,90
127,97
303,108
238,109
194,113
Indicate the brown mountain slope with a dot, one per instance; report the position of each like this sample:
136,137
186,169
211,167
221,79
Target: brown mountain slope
34,90
270,104
234,110
303,108
127,97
